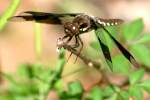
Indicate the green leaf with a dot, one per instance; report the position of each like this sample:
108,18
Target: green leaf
108,91
7,97
61,63
61,54
20,89
113,97
109,41
136,92
9,77
59,85
47,73
26,71
75,88
123,95
136,76
120,64
75,91
142,53
133,29
145,85
144,39
95,45
96,94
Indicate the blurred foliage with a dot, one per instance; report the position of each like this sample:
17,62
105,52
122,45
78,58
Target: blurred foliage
38,41
33,81
8,13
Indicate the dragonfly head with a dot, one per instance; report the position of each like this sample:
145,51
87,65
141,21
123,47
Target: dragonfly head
71,28
84,23
80,24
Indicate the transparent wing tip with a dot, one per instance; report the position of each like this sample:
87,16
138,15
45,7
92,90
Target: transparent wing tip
16,18
23,16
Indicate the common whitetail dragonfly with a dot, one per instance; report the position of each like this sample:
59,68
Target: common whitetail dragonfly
80,23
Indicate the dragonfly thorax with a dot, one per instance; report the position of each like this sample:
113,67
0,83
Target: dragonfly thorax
84,22
80,24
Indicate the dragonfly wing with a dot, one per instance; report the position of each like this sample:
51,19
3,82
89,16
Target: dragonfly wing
124,51
104,48
41,17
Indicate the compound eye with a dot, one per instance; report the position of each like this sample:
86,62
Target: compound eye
83,27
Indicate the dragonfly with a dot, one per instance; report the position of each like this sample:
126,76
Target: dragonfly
74,25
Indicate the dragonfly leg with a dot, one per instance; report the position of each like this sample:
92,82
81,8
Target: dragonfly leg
71,52
69,39
74,46
79,42
66,36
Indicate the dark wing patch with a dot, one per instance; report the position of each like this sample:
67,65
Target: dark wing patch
41,17
106,53
125,52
